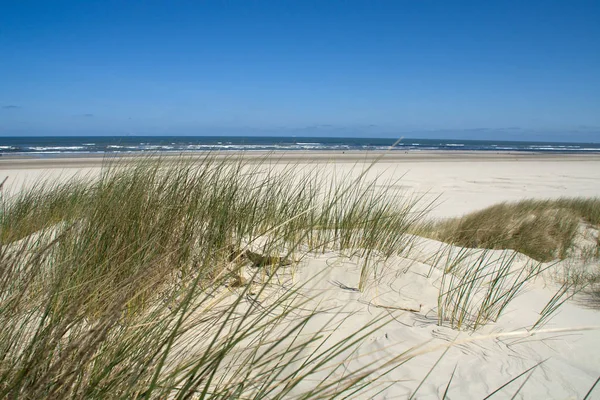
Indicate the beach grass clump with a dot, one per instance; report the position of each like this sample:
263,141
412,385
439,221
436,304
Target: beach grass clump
121,287
364,222
42,204
477,286
545,230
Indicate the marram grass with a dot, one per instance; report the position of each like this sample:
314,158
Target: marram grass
116,287
545,230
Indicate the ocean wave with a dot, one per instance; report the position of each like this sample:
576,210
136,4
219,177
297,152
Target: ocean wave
55,148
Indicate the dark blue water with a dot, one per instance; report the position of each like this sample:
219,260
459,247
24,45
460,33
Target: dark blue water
131,144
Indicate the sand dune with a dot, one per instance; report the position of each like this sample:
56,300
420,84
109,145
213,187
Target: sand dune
407,288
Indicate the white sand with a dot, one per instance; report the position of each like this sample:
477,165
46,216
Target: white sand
462,183
483,360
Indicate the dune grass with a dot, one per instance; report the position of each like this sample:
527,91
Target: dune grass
477,286
120,287
545,230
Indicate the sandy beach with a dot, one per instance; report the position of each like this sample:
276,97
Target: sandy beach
407,289
457,182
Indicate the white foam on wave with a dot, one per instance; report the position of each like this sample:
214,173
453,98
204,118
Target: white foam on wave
48,149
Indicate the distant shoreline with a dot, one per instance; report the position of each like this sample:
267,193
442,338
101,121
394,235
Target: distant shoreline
78,160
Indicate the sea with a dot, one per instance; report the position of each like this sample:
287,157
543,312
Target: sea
52,146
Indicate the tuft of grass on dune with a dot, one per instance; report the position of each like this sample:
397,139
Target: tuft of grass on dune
121,287
41,205
545,230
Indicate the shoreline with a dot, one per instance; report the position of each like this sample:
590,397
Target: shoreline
458,182
91,160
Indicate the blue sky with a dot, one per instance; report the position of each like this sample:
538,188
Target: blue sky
479,69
